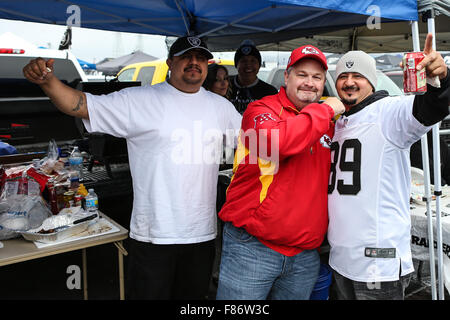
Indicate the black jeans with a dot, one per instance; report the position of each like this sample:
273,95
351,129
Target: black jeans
163,272
347,289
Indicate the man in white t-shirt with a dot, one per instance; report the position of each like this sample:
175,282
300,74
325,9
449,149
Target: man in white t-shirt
174,133
369,186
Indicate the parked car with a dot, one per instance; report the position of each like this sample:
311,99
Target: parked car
156,71
263,73
149,72
229,64
28,119
396,75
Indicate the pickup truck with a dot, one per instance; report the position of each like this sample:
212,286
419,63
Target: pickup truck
29,120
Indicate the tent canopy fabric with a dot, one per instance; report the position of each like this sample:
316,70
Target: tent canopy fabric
112,67
392,37
86,65
440,6
224,23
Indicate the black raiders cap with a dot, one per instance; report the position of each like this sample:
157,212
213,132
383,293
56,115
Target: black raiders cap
184,44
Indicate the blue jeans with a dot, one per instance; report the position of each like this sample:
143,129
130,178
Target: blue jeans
251,271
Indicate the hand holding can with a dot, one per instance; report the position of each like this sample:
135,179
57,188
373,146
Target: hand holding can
414,80
432,64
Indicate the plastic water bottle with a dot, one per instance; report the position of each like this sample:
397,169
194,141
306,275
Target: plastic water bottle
76,162
91,201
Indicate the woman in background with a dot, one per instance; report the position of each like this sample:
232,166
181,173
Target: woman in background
217,80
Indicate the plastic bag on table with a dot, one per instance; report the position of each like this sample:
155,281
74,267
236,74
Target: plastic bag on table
50,164
23,213
23,180
52,152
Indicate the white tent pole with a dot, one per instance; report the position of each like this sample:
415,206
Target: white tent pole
415,36
437,180
426,177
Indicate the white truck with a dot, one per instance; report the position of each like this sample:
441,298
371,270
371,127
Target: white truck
28,119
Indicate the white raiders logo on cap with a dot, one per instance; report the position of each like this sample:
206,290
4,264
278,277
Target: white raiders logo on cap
309,50
349,64
194,41
246,50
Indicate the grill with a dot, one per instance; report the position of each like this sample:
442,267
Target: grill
92,178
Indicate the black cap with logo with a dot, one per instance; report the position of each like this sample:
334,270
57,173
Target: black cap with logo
246,48
184,44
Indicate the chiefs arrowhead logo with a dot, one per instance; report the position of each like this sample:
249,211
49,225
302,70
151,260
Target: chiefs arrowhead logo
260,119
325,141
309,50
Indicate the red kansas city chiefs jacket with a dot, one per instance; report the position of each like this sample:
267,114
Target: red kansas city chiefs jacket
278,191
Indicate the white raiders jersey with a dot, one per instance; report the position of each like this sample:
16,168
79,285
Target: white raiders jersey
369,190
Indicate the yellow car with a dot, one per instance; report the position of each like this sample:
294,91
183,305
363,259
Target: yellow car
156,71
229,64
148,72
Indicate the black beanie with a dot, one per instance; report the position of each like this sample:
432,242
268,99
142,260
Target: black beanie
247,48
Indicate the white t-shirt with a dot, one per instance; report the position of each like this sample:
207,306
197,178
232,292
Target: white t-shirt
369,190
174,140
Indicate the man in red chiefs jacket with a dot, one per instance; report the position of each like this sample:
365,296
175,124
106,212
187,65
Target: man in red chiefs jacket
276,206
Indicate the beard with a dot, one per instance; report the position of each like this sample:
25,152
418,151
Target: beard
349,102
192,78
308,96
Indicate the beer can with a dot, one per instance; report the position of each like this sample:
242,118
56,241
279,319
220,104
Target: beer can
414,81
78,200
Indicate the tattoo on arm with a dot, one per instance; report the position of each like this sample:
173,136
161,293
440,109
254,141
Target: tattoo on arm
79,104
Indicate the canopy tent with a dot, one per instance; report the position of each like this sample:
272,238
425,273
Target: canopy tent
86,65
111,67
224,23
269,23
392,37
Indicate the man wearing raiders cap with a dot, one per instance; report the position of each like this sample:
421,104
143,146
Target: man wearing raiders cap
171,129
276,205
369,185
245,86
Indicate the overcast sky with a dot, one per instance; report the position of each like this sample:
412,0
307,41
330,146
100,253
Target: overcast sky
87,44
95,45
